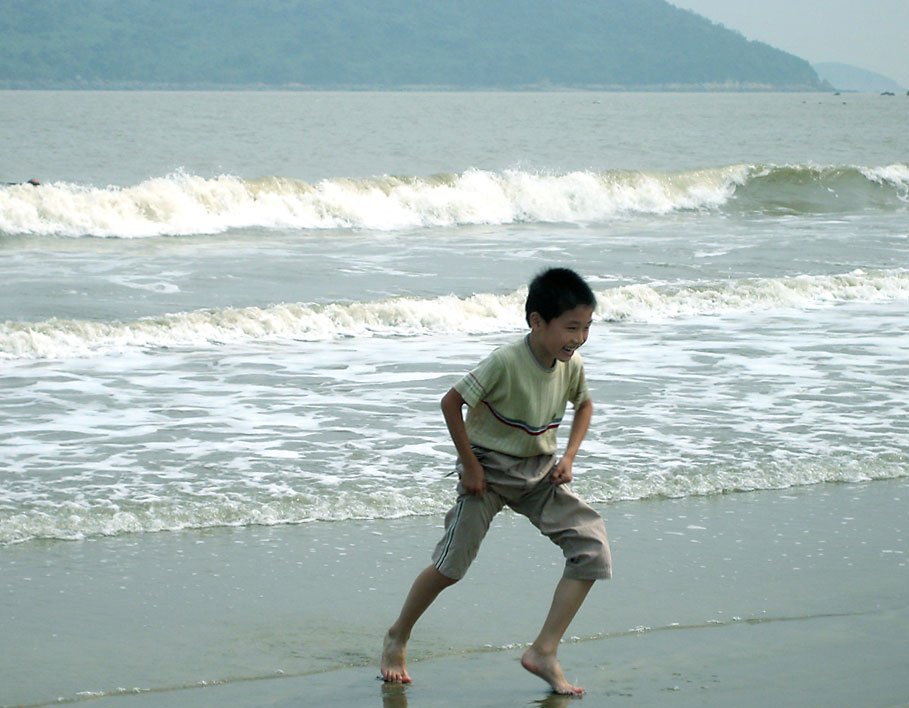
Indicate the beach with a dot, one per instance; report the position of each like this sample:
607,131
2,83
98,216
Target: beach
227,320
791,597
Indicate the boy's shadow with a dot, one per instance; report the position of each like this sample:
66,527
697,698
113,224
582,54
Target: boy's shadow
555,700
394,695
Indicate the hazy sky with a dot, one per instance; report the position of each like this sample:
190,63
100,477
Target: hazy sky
869,34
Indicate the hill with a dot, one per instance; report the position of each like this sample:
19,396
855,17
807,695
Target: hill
382,44
851,78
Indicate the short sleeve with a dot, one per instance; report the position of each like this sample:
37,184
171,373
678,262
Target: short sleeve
476,385
579,392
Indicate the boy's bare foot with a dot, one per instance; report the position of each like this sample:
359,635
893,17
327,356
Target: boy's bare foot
547,667
394,668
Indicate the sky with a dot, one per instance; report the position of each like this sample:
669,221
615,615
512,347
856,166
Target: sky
868,34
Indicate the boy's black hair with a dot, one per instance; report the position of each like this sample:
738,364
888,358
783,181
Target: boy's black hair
555,291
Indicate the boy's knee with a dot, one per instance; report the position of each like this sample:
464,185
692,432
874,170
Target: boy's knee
451,574
446,580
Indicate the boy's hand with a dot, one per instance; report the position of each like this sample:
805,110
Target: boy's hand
473,478
561,473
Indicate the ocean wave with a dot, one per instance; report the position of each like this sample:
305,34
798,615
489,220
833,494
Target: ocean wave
87,518
408,316
817,189
184,205
74,521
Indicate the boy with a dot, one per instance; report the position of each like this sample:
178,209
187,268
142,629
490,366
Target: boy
506,455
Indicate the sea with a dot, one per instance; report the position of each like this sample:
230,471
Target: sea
233,309
227,320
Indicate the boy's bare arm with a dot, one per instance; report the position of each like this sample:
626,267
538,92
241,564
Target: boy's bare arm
473,477
561,473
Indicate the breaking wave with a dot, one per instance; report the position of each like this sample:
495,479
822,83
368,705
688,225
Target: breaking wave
408,316
183,205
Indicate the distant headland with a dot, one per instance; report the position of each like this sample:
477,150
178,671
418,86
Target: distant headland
388,44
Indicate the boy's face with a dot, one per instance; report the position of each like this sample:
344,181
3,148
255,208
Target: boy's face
558,338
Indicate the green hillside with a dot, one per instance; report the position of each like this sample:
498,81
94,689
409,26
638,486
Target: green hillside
383,43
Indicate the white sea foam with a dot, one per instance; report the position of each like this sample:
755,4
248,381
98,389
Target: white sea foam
482,313
654,303
183,204
349,428
895,174
76,520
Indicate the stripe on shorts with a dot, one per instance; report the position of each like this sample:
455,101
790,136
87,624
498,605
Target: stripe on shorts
449,537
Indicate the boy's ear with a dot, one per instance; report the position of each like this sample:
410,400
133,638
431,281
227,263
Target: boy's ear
535,320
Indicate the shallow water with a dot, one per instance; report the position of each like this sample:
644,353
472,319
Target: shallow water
184,347
241,310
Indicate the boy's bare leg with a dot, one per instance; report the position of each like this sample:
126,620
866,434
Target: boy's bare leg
424,590
541,658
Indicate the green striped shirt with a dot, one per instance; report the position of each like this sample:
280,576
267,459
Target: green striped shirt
516,404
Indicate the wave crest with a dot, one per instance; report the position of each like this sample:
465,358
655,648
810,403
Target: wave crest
407,316
184,205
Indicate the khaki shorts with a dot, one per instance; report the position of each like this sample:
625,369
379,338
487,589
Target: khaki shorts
523,484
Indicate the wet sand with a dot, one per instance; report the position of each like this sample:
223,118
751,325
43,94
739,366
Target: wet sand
785,598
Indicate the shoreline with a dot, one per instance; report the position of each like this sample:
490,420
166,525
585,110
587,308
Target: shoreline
416,88
794,597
